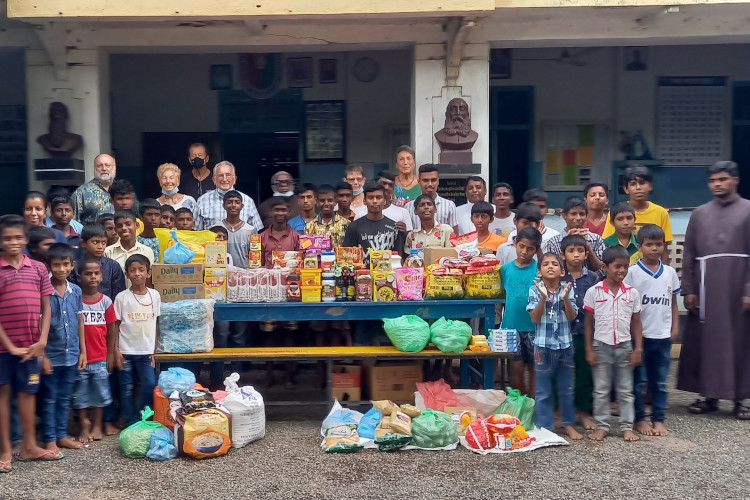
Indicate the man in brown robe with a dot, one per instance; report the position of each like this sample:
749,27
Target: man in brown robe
715,359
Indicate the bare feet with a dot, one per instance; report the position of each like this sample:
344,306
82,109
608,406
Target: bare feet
110,429
572,432
587,421
598,435
96,434
85,437
644,428
630,436
660,430
68,442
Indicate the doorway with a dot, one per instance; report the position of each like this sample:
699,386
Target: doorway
741,133
512,136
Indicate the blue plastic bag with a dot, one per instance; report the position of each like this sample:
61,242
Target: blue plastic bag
369,422
176,379
179,253
162,445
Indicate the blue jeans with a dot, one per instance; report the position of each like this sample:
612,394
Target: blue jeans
228,334
112,411
57,393
554,364
136,366
653,370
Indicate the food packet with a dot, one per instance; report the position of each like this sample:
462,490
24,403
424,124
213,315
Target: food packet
318,242
411,410
385,406
380,260
350,255
401,423
466,245
410,283
195,400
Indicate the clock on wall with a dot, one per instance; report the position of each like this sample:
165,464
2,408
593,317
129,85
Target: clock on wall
365,69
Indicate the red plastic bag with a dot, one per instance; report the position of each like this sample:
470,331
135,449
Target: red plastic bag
478,437
437,395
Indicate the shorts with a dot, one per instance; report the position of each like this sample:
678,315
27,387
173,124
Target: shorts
525,348
22,376
92,387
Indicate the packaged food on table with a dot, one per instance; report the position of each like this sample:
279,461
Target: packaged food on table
136,439
310,277
276,286
186,326
255,259
195,400
329,287
363,286
442,283
311,293
327,261
483,261
245,404
203,434
293,287
450,335
410,283
249,286
479,343
350,255
216,253
318,242
484,284
262,287
433,429
408,333
233,282
380,260
384,286
215,280
310,261
255,243
287,260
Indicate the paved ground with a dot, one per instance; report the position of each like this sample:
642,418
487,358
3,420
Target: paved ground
703,457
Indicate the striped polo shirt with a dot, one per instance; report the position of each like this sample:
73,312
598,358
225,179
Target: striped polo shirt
445,212
20,300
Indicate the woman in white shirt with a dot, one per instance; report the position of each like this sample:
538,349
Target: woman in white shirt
169,180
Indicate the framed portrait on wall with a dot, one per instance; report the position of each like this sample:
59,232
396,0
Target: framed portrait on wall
325,131
299,72
327,70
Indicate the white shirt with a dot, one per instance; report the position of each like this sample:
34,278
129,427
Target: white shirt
612,313
393,212
463,215
503,226
445,212
138,314
657,290
547,233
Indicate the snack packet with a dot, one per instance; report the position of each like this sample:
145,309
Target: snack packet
410,283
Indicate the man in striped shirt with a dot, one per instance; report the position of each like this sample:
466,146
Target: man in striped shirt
25,314
209,209
445,210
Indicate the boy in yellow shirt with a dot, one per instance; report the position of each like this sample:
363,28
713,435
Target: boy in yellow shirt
638,184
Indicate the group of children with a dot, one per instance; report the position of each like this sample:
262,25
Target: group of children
602,312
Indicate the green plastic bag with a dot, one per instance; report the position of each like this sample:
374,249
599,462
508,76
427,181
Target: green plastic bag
519,405
136,439
450,336
408,333
433,429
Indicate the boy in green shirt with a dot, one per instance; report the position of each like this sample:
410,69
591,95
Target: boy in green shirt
622,217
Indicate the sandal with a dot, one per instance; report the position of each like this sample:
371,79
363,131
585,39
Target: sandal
741,412
5,467
702,406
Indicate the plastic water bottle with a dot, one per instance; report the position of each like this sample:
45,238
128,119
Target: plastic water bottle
414,260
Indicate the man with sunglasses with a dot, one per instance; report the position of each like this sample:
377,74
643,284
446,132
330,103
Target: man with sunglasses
282,184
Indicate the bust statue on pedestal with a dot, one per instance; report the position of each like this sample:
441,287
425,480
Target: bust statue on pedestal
456,138
59,143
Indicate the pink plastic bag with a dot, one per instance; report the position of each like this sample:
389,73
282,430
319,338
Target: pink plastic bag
437,395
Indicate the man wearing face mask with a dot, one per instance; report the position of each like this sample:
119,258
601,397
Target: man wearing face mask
209,210
90,200
282,184
199,181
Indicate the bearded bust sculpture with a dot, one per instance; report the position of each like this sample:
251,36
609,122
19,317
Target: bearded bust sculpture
456,138
59,143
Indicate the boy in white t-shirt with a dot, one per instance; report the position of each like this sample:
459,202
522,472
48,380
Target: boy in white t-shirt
137,309
658,286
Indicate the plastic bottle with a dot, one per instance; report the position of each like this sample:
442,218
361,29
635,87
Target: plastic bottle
329,287
414,260
327,261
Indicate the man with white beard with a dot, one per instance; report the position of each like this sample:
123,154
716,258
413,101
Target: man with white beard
90,200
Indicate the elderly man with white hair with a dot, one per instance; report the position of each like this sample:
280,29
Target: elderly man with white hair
282,184
90,200
209,210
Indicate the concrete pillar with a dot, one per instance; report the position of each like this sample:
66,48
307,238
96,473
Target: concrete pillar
84,89
432,94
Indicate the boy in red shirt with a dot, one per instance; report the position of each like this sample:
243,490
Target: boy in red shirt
24,326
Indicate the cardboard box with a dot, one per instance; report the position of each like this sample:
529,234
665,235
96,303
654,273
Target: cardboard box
396,381
216,253
433,254
177,273
216,283
172,292
346,382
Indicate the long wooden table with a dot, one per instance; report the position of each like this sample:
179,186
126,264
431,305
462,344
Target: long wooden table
478,366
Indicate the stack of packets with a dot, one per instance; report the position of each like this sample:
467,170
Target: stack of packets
215,278
456,278
503,340
394,430
256,285
255,255
479,343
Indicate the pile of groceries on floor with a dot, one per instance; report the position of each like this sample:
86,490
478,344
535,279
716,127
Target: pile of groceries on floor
483,421
191,421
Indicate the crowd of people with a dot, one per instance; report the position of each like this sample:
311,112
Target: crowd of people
594,305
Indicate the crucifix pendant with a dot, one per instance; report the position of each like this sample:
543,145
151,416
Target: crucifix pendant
551,314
